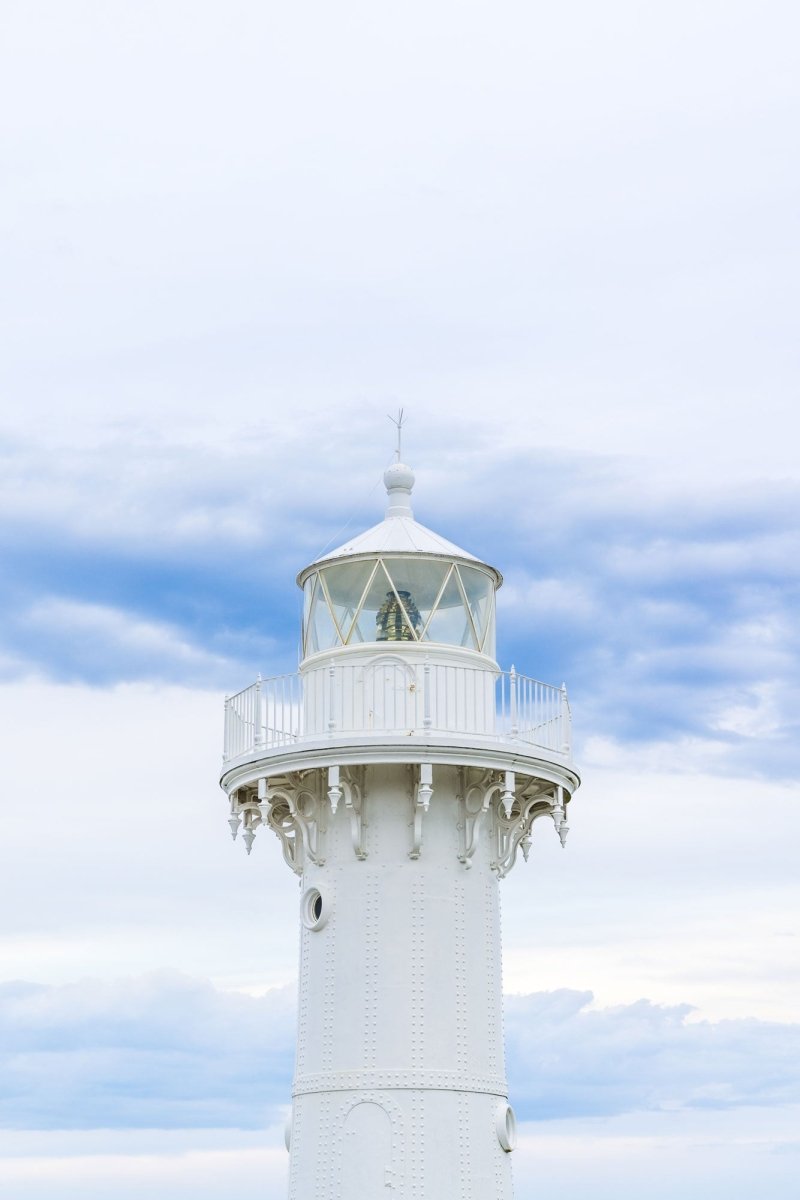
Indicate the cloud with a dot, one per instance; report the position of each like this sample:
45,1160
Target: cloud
96,641
568,1059
169,1051
163,1050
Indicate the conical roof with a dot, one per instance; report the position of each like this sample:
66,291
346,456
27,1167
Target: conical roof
398,532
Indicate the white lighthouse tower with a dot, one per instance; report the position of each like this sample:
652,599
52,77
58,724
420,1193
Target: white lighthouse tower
402,771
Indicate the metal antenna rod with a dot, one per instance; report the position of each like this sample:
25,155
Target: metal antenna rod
398,421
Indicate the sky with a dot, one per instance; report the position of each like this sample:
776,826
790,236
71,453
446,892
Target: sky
563,238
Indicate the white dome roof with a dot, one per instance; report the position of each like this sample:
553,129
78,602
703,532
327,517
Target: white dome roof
398,532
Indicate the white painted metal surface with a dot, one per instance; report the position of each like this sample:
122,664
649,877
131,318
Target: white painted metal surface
401,777
398,532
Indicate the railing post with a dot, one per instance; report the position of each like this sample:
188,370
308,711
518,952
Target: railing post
512,691
257,734
297,702
426,694
331,698
226,741
566,721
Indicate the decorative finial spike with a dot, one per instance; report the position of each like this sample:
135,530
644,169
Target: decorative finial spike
234,823
398,421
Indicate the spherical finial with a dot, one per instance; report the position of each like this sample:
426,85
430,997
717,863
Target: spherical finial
399,480
398,475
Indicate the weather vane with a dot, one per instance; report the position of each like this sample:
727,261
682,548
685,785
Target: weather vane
398,421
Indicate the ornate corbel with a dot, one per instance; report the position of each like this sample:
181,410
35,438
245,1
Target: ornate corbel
251,818
473,804
420,802
234,820
512,827
306,809
334,788
354,804
281,821
560,815
244,812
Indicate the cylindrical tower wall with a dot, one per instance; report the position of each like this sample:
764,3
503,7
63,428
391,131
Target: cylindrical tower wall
400,1075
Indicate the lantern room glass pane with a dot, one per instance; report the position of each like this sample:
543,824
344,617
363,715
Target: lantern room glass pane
450,622
386,615
418,583
480,594
308,595
345,583
322,634
489,638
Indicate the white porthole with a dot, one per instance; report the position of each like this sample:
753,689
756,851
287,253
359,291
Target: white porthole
506,1126
313,909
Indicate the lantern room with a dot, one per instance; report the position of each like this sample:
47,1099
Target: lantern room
399,585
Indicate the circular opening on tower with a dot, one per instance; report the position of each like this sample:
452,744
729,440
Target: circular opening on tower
506,1125
313,909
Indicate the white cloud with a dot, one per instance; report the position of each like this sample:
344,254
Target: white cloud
112,631
115,843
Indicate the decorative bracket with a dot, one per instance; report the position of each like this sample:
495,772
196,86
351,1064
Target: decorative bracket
420,803
560,815
308,810
354,804
291,809
473,805
234,820
508,792
279,818
512,827
334,788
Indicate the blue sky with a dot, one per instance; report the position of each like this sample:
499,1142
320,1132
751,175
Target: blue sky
565,241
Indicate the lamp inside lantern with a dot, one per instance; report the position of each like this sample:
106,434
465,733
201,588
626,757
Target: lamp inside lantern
398,619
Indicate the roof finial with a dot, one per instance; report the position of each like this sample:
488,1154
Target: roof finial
398,421
399,478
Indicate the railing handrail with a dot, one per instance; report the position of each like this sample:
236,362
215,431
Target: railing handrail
267,679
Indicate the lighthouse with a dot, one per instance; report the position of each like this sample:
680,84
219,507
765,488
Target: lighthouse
402,771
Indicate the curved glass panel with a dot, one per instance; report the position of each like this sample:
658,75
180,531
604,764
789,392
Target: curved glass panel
419,585
480,593
385,615
322,633
450,622
345,584
308,595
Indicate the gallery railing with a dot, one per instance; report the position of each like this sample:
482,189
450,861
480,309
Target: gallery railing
392,697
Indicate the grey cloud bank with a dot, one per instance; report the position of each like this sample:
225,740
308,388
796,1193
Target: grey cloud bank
170,1051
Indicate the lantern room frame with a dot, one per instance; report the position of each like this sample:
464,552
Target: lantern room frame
455,601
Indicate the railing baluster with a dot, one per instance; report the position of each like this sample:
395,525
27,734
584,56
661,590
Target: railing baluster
512,687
